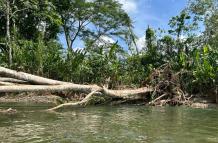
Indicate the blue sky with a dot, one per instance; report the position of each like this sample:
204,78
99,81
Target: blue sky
155,13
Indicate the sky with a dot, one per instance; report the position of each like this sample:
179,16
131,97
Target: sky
155,13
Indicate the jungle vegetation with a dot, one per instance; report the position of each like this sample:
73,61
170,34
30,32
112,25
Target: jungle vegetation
29,31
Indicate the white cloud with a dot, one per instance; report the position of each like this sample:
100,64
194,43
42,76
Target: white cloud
78,48
129,6
104,40
107,39
140,43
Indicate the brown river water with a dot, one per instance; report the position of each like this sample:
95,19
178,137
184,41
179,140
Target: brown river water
109,124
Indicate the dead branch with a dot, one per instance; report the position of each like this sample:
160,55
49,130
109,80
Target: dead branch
84,102
158,98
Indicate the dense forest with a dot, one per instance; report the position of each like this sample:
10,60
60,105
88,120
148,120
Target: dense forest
184,56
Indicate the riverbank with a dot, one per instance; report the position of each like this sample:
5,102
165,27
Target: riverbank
31,98
54,100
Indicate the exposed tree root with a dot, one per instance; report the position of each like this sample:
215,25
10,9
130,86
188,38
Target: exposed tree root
167,87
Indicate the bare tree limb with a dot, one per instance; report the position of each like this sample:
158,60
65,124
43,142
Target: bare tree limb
84,102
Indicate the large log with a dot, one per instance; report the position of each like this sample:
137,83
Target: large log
6,83
29,77
128,93
125,94
12,80
50,88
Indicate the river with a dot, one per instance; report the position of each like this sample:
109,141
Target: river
109,124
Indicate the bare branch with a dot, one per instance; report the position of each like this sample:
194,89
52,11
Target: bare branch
77,33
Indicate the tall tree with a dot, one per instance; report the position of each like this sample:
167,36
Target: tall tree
6,11
168,44
89,20
150,38
207,12
183,26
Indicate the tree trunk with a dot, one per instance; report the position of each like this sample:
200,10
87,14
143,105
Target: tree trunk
6,83
12,80
8,35
50,88
28,77
139,93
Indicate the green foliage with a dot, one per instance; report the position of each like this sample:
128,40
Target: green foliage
35,26
89,20
205,71
179,25
167,44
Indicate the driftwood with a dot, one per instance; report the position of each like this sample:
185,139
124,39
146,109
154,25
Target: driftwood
83,103
158,98
50,88
129,93
28,77
12,80
49,85
6,83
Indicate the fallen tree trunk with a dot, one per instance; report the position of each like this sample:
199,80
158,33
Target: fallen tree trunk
12,80
125,94
28,77
93,90
50,88
49,85
128,93
6,83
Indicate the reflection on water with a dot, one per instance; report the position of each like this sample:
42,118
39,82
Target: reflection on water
112,124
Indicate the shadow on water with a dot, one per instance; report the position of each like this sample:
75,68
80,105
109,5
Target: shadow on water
129,124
